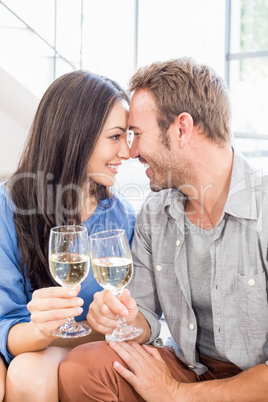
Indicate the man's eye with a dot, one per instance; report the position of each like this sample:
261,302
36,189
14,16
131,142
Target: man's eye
136,134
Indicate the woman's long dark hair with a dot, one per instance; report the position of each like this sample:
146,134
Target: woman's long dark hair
46,186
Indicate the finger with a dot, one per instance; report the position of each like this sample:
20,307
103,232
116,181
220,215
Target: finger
48,327
114,304
104,311
56,291
126,374
55,315
129,354
151,350
102,319
99,309
104,327
45,304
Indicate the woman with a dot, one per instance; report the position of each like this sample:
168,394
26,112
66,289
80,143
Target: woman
3,371
77,142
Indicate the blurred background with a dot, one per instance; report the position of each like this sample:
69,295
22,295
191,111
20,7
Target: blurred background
43,39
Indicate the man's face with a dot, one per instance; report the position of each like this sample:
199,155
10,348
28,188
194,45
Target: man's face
168,163
147,144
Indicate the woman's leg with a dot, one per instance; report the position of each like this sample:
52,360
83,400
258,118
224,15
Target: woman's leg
3,372
33,376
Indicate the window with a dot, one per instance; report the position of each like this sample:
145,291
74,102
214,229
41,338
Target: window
247,75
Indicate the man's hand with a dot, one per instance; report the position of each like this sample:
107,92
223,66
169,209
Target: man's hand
104,311
148,373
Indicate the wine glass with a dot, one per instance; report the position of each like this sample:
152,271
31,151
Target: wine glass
69,265
112,267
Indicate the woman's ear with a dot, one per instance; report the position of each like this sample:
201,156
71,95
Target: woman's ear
183,125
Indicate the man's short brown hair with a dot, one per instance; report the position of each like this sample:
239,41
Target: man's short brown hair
182,85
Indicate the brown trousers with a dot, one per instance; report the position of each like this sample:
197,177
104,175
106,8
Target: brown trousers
87,374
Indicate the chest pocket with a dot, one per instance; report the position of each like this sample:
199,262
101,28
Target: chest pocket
252,309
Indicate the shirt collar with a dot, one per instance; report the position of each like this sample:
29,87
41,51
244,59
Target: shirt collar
242,200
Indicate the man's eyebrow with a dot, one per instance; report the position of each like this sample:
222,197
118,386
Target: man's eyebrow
132,128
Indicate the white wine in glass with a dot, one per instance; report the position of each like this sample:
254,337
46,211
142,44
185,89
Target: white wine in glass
112,267
69,266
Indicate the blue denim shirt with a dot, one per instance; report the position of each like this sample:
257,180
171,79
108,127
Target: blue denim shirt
238,277
15,289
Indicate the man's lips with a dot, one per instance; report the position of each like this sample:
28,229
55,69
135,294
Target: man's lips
142,160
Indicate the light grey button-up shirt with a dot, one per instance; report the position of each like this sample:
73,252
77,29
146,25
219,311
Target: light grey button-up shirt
239,273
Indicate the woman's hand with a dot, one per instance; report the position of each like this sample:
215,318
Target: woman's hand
50,307
104,311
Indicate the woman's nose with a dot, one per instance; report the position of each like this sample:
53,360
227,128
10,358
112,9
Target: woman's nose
124,151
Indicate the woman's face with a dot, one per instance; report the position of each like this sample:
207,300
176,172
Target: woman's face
112,147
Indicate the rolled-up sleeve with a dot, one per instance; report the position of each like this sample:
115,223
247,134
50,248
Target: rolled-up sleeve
14,292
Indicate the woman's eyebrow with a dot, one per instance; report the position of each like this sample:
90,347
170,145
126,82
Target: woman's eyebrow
117,128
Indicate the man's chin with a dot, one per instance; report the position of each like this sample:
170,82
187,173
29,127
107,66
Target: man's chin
156,187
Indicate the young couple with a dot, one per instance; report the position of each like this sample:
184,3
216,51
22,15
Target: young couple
199,249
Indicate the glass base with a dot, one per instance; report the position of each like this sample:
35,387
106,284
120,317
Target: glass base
124,333
75,331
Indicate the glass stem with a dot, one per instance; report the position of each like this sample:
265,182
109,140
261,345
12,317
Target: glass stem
122,322
69,324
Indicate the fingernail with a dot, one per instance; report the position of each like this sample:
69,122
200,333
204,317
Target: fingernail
116,365
80,301
124,313
79,309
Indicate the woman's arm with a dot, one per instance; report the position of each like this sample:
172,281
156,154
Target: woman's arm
3,372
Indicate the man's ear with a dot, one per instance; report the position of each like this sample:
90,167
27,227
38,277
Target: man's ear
183,125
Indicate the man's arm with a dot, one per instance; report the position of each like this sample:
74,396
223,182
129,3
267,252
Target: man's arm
150,376
249,386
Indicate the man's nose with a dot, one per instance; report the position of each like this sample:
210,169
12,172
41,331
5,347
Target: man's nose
134,153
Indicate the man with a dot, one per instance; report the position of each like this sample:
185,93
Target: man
200,257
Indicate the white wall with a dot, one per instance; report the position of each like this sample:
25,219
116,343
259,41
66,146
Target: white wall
17,108
177,28
167,29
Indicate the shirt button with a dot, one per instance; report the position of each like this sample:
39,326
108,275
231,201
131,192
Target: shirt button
158,268
178,242
251,282
191,326
190,366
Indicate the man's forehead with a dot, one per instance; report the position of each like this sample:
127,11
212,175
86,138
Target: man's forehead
142,101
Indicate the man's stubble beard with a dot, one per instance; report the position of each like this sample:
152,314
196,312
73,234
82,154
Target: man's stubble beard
172,174
178,174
